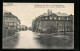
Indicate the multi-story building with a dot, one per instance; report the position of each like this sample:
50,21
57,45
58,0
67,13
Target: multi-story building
55,21
10,23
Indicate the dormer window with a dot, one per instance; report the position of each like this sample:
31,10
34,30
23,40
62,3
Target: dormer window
50,18
59,18
67,18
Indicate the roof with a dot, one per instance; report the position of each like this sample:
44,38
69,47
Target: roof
58,14
45,14
9,14
61,14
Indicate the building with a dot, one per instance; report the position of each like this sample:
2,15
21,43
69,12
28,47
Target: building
10,23
23,27
53,22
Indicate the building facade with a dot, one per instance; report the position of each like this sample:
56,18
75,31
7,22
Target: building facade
54,22
23,27
10,23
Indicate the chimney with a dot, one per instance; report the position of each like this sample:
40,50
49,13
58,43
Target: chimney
49,12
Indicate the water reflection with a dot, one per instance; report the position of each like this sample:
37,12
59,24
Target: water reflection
10,42
45,41
29,40
50,41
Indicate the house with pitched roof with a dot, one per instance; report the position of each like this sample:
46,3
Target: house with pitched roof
10,24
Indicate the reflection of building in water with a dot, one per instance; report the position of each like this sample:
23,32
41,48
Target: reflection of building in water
53,21
52,42
10,42
10,23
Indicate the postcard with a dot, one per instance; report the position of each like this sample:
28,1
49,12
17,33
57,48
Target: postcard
38,26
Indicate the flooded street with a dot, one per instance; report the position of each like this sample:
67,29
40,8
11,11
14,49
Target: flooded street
32,40
26,40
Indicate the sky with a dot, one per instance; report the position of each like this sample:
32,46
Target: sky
26,12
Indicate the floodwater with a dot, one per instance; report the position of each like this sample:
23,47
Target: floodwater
32,40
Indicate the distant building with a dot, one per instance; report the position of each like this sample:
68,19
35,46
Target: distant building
23,27
58,21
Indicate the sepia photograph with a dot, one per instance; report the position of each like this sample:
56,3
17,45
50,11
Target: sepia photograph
38,26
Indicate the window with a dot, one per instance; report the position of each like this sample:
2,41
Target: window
66,24
50,18
67,18
14,24
60,24
59,18
6,23
9,23
68,29
63,29
54,18
46,18
60,29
